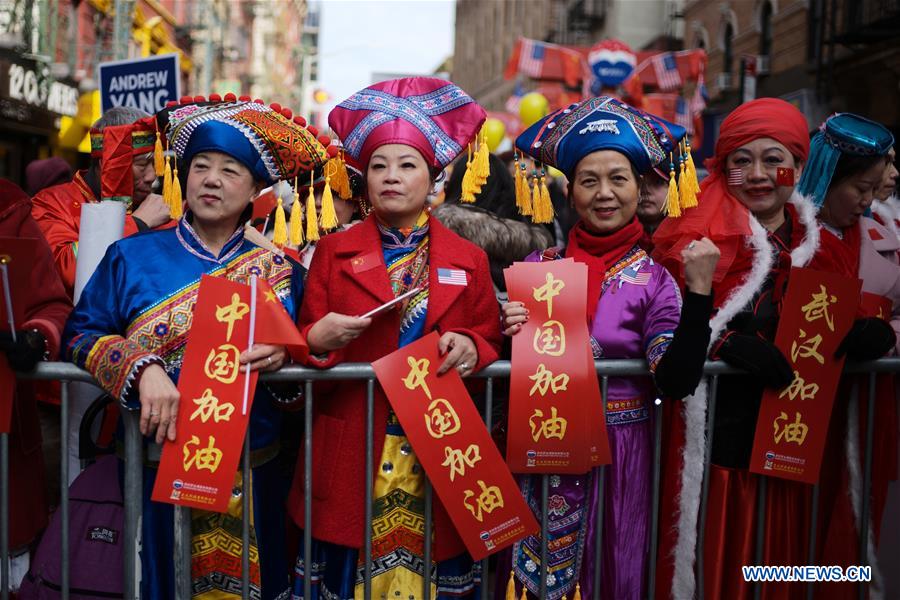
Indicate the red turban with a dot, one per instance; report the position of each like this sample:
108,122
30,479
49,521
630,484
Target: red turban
719,215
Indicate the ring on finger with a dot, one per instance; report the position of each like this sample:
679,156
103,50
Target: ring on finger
269,360
691,245
462,366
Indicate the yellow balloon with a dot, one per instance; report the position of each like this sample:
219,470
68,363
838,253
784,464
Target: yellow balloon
532,108
493,130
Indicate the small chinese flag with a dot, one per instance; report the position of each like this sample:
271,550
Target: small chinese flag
785,177
275,326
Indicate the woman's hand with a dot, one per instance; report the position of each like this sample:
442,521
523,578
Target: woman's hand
461,353
334,331
700,258
159,403
264,358
514,317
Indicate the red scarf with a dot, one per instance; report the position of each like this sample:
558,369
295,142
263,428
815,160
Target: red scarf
599,253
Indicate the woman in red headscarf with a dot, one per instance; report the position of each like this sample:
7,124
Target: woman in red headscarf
749,209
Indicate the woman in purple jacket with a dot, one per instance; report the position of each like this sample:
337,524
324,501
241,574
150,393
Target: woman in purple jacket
635,311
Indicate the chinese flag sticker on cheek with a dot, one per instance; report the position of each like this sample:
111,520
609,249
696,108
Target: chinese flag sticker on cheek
793,422
784,176
452,444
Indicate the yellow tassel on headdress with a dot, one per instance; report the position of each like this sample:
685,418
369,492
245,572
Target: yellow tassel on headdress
159,159
691,170
312,223
340,182
673,206
175,207
525,194
540,211
546,203
328,218
279,235
296,224
685,191
577,594
524,595
482,164
511,587
167,184
468,181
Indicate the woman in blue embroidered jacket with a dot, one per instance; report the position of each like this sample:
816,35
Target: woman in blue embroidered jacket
132,321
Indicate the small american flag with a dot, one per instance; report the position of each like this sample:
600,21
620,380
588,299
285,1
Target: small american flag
683,116
735,177
634,276
512,103
452,276
666,69
531,58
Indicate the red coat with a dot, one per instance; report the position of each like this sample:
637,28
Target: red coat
57,211
339,425
47,310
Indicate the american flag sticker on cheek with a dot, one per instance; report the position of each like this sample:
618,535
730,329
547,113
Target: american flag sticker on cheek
735,177
452,276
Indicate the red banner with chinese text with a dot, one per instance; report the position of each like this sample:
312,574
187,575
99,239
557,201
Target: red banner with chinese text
452,444
818,311
198,468
556,422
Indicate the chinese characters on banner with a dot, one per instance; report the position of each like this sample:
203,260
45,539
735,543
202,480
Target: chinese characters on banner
455,448
819,309
198,468
16,258
556,422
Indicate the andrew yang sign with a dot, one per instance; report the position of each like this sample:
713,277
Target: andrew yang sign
144,83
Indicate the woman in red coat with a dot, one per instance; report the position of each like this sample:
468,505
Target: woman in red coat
400,133
45,310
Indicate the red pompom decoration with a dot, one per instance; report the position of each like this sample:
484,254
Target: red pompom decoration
287,113
229,97
244,98
332,151
276,107
171,103
313,130
324,140
258,101
185,100
300,121
215,98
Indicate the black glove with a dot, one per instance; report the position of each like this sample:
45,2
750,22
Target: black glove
868,339
26,351
758,357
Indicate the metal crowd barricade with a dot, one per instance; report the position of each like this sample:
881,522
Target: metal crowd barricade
133,484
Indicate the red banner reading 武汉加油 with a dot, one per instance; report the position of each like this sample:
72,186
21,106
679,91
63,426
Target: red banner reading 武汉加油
818,311
556,422
452,444
198,468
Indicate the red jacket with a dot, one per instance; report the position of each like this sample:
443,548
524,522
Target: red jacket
57,211
47,309
339,422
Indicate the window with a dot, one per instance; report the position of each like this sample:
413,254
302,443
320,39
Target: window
765,29
727,48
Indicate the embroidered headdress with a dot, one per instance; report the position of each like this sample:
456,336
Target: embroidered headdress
434,116
842,133
269,140
563,138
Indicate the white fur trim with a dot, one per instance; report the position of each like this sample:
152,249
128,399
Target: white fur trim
695,406
855,491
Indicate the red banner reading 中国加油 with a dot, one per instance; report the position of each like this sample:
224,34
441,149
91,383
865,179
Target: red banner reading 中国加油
198,468
455,449
792,426
556,422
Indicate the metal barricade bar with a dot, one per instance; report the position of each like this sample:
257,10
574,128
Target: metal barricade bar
133,485
704,493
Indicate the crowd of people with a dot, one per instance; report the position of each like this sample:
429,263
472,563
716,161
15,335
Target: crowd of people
674,278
